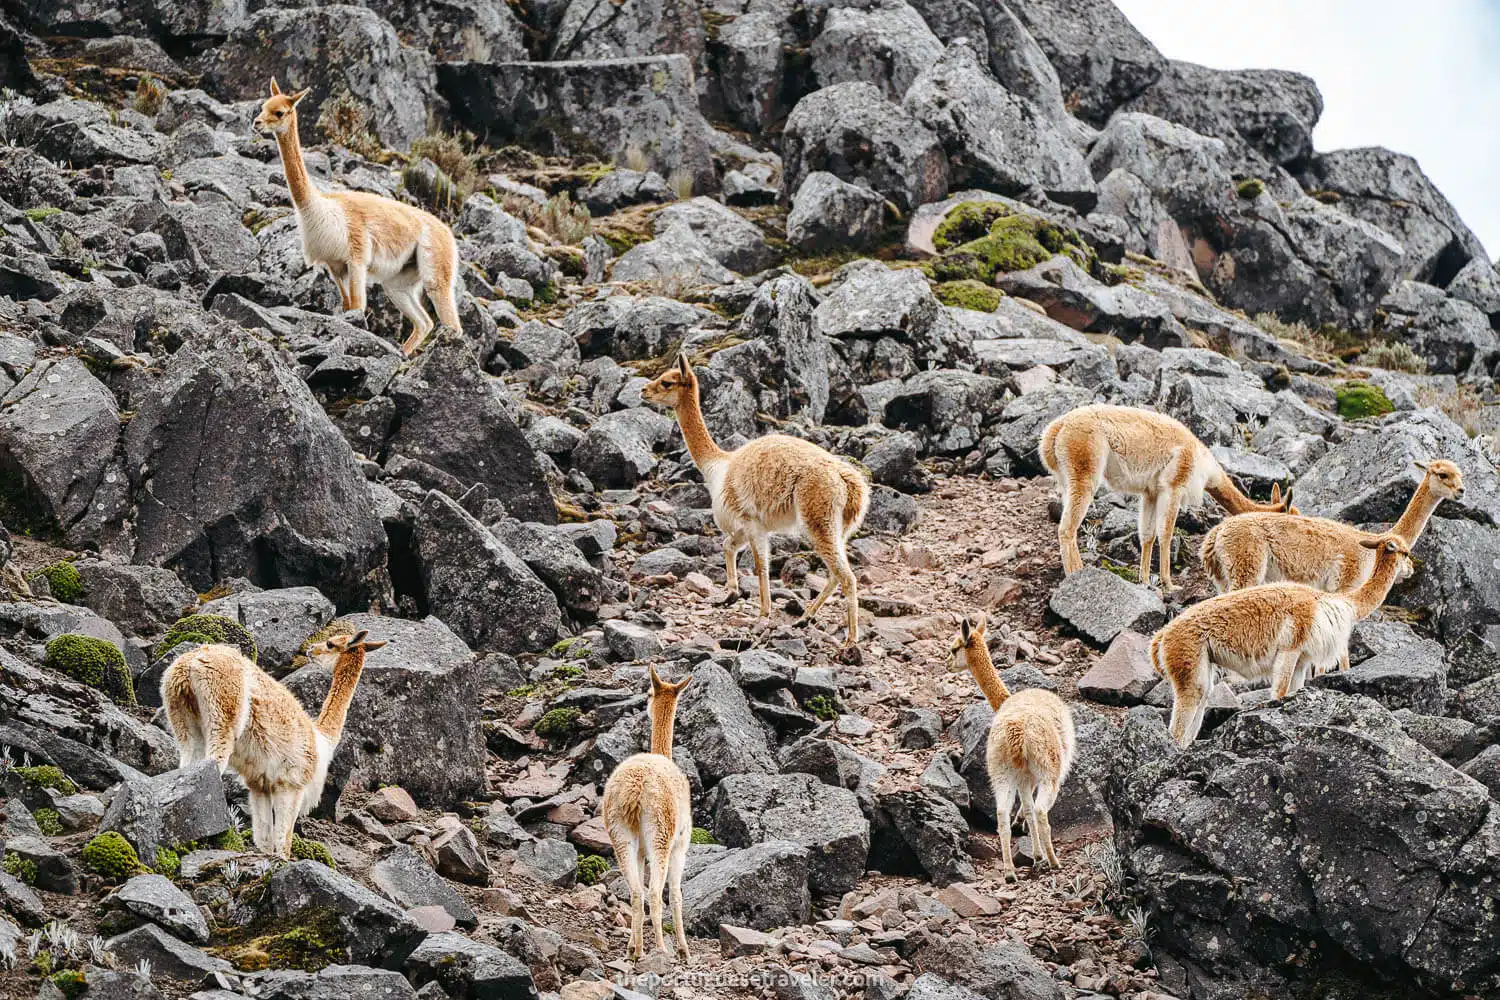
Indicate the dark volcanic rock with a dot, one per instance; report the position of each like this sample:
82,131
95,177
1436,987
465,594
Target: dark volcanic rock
754,808
373,930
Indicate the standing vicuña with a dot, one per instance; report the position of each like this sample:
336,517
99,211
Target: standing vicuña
773,483
648,811
224,708
360,237
1252,549
1136,451
1030,748
1287,631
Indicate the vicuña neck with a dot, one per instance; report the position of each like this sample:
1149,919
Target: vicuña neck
303,193
661,729
1373,592
977,656
700,443
1418,511
1232,500
340,693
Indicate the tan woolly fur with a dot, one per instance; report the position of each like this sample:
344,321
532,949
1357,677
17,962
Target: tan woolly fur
1251,549
1285,631
1141,452
774,483
1030,748
224,708
359,237
648,812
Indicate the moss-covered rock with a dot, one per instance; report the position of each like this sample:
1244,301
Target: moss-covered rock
702,836
574,647
46,776
316,941
312,850
111,857
19,868
1010,242
1361,399
968,294
558,724
210,628
967,221
1251,189
822,706
95,662
63,581
591,868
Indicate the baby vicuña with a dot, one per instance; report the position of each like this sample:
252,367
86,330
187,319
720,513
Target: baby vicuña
774,483
224,708
359,237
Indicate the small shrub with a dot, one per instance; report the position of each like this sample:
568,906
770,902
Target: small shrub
591,868
558,724
1361,399
95,662
1251,189
49,821
454,156
702,836
1464,407
562,217
149,95
822,707
19,868
312,850
46,776
968,294
343,122
635,159
1396,356
70,983
1325,340
681,183
572,648
111,857
168,862
209,628
229,840
62,580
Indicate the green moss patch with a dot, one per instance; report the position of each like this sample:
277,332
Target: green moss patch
63,581
229,840
210,628
46,776
19,868
95,662
168,862
312,850
979,240
70,983
968,294
702,836
591,868
1251,189
558,724
111,857
49,821
314,942
1361,399
822,706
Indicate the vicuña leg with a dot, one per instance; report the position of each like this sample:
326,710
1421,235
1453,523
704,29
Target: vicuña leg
631,861
760,546
658,862
1146,533
1005,800
674,882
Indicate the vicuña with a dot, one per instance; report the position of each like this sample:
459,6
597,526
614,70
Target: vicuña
359,237
774,483
1030,748
648,811
224,708
1141,452
1287,631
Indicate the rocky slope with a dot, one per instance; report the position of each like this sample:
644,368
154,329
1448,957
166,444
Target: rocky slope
913,233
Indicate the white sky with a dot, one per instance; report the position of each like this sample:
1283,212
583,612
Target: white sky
1419,78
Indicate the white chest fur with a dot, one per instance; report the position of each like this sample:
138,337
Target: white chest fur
325,232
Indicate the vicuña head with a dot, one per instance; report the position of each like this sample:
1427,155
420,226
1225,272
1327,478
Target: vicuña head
674,387
279,111
224,708
1446,480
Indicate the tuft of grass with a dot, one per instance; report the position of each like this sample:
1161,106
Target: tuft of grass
344,122
149,95
1464,407
681,183
635,159
1394,355
1325,341
168,862
1361,399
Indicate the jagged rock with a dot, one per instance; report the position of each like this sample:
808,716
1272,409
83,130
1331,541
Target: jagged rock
589,106
761,887
1101,605
17,899
55,871
886,44
940,777
281,620
557,561
932,987
143,600
458,854
551,862
82,134
619,450
637,28
629,641
334,51
172,808
457,419
206,452
828,212
621,188
337,982
1071,296
921,831
629,329
1485,769
678,256
730,238
834,763
994,139
154,898
873,301
1123,675
751,809
458,30
789,355
950,410
470,968
1211,395
1319,830
1000,969
715,725
374,931
1478,283
415,717
1396,680
1102,61
1024,418
851,131
1457,559
477,586
920,728
1452,336
1390,191
405,878
168,956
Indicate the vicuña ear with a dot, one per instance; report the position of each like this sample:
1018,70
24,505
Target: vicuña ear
275,88
965,630
375,644
1276,493
981,621
300,94
656,681
682,363
677,688
357,638
1370,543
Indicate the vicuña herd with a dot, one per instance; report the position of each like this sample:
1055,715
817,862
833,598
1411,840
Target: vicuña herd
1290,587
